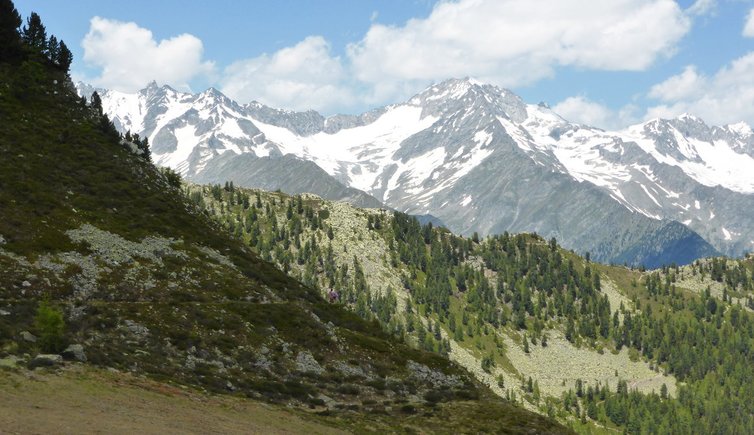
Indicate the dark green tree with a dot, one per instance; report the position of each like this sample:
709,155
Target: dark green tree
95,101
53,49
10,41
65,57
34,33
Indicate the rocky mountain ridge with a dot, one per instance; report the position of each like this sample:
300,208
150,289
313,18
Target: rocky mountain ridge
481,160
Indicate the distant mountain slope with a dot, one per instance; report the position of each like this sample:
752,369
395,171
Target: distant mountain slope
603,348
481,160
100,249
289,173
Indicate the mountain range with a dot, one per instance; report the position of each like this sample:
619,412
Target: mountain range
478,158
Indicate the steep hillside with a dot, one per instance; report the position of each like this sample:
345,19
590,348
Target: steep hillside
598,347
104,260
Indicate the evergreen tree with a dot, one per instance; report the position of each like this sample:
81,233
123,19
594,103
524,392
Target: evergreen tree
53,49
34,34
10,41
65,57
95,101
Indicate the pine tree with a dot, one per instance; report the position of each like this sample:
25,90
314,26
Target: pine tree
65,57
34,33
10,41
96,103
53,49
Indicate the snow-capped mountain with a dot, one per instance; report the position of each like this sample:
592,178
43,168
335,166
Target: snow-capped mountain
480,159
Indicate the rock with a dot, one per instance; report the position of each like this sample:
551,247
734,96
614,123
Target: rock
2,240
136,329
306,363
45,360
74,352
26,284
10,362
28,336
4,313
328,401
433,377
348,370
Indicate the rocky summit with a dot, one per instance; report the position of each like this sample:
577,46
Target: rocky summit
478,158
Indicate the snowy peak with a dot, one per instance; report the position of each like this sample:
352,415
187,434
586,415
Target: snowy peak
712,156
466,94
434,154
741,129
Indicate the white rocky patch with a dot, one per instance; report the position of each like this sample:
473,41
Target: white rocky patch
726,234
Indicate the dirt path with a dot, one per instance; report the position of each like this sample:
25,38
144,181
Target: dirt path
82,400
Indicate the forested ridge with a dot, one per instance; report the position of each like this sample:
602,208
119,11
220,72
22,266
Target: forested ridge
474,290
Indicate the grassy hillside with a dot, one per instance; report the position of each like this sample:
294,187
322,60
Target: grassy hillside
100,249
76,399
598,347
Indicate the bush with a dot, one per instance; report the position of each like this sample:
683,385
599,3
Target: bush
173,178
51,328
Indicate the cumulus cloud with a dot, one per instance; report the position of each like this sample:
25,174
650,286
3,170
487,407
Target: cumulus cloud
129,56
304,76
686,85
722,98
509,43
582,110
749,26
517,42
506,42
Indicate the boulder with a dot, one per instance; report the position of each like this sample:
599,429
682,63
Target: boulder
306,363
45,360
28,336
74,352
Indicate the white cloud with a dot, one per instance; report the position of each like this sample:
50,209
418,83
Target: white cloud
129,56
726,97
749,26
686,85
304,76
703,7
582,110
505,42
517,42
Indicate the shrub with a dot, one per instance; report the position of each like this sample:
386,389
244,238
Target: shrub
51,328
173,178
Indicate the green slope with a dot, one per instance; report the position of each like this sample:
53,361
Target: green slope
148,284
521,310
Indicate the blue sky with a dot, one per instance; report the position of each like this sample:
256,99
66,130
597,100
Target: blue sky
608,64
